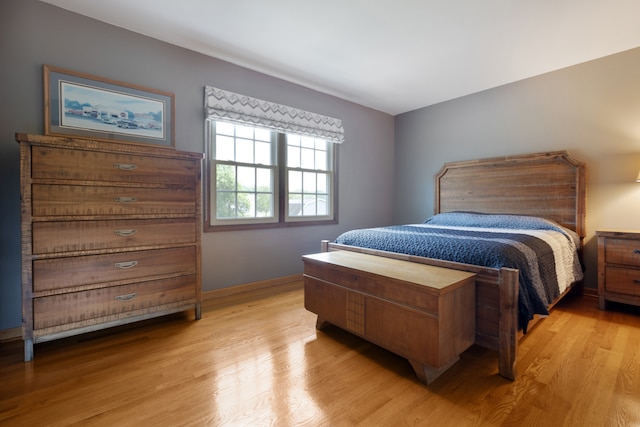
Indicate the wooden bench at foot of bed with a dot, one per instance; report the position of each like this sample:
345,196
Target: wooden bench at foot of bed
421,312
496,308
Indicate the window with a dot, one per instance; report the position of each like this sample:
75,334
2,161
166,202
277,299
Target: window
264,178
308,177
244,173
268,165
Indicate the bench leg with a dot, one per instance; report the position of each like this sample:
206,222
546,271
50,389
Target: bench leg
321,323
427,374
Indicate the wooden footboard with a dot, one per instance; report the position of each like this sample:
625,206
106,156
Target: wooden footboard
496,303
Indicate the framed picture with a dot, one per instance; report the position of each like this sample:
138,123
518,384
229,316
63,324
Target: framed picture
79,104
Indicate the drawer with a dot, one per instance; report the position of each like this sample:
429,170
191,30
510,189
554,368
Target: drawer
61,273
622,280
73,236
100,303
622,251
65,164
70,200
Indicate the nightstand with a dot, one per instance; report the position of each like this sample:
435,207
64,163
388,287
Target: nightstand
618,267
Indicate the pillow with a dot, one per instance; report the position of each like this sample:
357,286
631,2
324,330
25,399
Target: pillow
522,222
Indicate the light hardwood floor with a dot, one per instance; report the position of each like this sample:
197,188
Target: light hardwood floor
260,362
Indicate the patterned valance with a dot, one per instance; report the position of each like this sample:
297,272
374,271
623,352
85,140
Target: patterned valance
224,105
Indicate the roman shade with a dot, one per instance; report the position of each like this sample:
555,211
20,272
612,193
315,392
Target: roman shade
224,105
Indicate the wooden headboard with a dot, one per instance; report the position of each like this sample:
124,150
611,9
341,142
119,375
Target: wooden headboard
550,185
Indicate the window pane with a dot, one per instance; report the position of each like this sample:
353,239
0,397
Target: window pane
321,144
321,160
248,201
308,159
244,132
225,178
263,153
321,206
225,148
307,141
323,183
293,157
224,128
295,182
264,180
244,150
308,205
263,135
225,205
309,182
295,204
293,139
246,179
264,205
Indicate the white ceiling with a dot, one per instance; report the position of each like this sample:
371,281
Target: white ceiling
390,55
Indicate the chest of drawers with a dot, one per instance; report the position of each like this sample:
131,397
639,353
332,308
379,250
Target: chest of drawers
618,267
110,235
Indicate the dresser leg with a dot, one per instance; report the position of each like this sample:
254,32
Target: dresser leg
602,303
198,311
28,350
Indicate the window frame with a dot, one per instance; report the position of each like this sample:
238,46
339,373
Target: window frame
280,184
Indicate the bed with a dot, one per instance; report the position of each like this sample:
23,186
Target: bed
544,189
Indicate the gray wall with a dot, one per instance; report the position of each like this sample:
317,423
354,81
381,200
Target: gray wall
592,110
34,33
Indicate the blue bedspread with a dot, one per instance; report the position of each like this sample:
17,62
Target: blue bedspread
487,240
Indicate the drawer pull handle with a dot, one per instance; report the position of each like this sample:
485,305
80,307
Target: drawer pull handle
125,199
636,251
636,281
125,166
125,233
126,297
127,264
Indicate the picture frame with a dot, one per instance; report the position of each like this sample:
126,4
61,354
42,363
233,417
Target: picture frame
84,105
